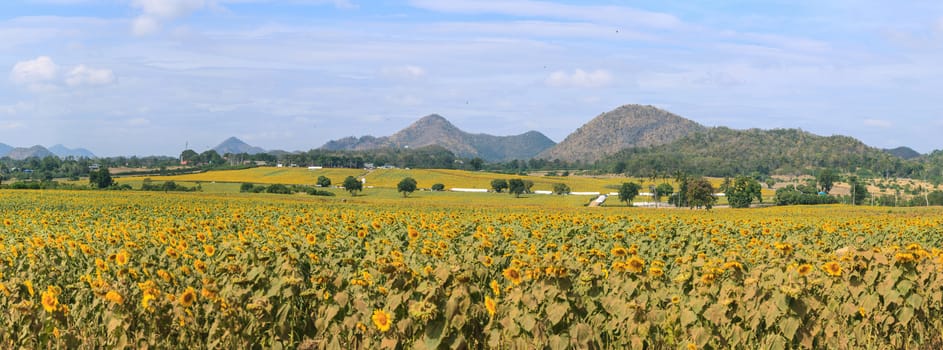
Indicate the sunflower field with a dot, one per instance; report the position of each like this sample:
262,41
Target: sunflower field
91,269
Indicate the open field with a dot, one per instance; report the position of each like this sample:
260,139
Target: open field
386,179
143,269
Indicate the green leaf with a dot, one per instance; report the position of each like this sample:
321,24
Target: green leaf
556,311
789,326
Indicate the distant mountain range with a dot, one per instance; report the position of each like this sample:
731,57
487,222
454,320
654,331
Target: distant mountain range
236,146
20,153
436,130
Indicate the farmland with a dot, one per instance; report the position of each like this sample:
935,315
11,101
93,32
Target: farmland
131,269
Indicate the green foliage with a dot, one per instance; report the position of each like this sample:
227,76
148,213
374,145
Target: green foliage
406,186
792,195
476,163
826,179
438,187
352,185
499,185
663,190
246,187
323,181
279,189
561,188
167,186
516,187
101,178
700,193
741,192
628,191
858,191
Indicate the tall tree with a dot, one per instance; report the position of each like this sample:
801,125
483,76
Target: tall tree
628,191
323,181
101,178
406,186
826,179
516,187
477,163
351,184
700,193
741,192
499,185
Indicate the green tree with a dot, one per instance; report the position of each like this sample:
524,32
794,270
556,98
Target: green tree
499,185
438,187
352,185
663,190
516,187
323,181
858,190
741,192
700,193
826,179
528,185
628,191
561,188
101,178
476,163
770,181
406,186
189,156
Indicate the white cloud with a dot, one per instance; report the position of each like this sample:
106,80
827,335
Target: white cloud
83,75
10,125
579,78
39,70
878,123
404,72
624,16
154,12
138,122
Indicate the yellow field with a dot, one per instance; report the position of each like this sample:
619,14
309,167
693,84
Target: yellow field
389,178
95,269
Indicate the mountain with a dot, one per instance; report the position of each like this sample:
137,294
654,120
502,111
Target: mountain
63,152
624,127
4,149
436,130
236,146
903,152
727,152
21,153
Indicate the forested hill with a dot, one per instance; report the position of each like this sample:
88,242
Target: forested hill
723,151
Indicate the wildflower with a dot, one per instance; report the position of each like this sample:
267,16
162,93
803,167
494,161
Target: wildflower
490,306
904,257
121,258
513,275
496,288
209,249
50,299
382,320
656,271
832,268
619,251
311,238
114,297
188,297
635,264
804,269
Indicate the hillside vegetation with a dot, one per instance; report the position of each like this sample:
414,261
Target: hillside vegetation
727,152
624,127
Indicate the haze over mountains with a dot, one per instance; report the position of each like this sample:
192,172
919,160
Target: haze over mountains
20,153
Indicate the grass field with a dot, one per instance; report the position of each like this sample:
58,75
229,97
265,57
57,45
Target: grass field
381,180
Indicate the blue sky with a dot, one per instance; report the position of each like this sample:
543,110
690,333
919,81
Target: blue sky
144,77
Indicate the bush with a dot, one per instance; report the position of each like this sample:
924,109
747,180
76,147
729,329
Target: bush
438,187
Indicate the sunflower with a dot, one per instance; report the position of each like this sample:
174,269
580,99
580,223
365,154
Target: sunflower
199,265
209,249
513,274
50,301
635,264
29,287
382,320
121,258
904,257
114,297
804,269
832,268
496,288
412,233
188,297
486,260
656,272
619,251
490,306
311,238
